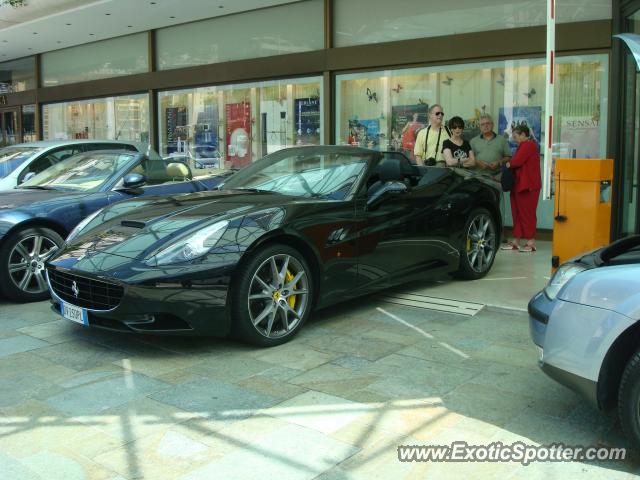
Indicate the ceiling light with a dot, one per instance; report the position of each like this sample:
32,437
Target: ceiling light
68,24
220,6
35,33
172,16
29,48
130,26
107,14
91,34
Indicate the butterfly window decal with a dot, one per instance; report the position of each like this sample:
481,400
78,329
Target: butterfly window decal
373,96
421,102
397,89
530,93
448,80
501,81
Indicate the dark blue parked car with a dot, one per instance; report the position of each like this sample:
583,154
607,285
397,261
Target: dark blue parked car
35,218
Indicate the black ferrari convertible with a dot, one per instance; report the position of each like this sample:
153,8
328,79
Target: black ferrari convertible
299,229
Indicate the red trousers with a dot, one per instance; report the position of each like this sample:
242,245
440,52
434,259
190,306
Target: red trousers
523,211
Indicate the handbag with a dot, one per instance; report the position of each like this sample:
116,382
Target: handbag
507,178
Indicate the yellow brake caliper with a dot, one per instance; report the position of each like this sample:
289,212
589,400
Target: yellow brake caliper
292,299
468,243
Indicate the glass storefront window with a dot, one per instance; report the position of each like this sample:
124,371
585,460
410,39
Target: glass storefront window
17,75
230,126
360,22
380,109
105,59
111,118
29,133
292,28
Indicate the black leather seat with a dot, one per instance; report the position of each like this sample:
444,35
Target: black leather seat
389,170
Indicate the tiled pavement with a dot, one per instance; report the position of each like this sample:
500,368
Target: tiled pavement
335,403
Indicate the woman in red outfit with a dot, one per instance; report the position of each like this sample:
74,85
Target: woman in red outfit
526,190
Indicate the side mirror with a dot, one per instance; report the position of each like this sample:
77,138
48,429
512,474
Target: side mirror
133,180
28,176
388,189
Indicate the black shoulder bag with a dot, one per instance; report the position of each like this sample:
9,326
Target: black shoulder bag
507,178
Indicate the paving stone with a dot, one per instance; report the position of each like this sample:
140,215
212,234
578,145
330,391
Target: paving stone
368,348
230,367
80,355
215,399
92,398
319,411
295,355
289,453
18,344
167,454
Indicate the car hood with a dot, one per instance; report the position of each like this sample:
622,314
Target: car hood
138,229
22,197
615,288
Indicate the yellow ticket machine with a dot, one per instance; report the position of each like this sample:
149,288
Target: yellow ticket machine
582,206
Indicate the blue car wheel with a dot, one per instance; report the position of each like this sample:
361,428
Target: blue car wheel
22,258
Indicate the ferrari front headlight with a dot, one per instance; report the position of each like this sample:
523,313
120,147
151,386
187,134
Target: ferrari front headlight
191,247
562,275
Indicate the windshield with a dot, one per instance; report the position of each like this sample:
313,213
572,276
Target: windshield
12,157
86,172
304,172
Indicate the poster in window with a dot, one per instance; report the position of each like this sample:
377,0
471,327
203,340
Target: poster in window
175,124
510,117
579,137
307,118
364,133
406,121
238,120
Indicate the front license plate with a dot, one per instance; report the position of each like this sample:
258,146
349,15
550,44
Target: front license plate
75,314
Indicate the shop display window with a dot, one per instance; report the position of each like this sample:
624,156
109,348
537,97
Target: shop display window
231,126
17,75
384,110
111,118
29,133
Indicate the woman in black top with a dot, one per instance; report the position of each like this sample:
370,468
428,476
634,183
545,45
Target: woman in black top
457,151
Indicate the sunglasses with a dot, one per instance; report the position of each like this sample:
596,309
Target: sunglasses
439,114
457,126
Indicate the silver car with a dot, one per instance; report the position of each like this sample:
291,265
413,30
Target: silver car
20,162
586,324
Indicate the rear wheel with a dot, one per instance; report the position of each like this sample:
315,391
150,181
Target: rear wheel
22,258
478,250
629,400
273,296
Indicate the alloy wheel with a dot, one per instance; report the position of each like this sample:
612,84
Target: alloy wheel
278,296
26,263
481,243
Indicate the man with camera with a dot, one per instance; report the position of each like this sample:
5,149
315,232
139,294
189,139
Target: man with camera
428,148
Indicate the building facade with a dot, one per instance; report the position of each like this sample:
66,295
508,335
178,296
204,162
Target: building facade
229,89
